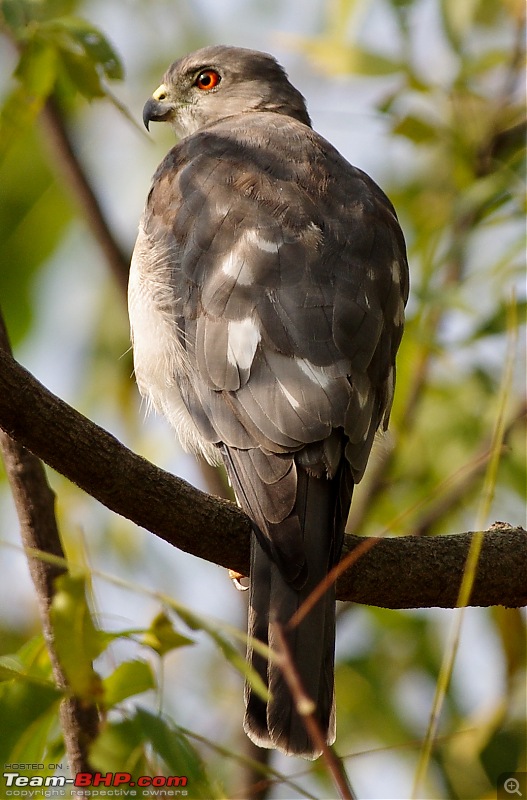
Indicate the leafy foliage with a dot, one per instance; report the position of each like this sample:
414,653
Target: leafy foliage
458,187
129,744
126,745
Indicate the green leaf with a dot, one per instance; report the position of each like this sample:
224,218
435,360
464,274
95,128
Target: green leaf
31,225
21,15
34,654
489,13
181,758
130,677
12,667
240,663
497,322
120,747
28,710
162,636
124,746
31,663
458,18
37,69
231,653
94,44
36,73
77,641
367,62
82,73
85,54
75,37
415,129
12,13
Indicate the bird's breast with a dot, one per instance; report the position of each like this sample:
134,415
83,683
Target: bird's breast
161,364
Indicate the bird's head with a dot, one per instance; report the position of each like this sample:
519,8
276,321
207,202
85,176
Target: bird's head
218,82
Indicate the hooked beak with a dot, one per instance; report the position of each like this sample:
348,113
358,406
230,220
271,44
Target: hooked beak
157,108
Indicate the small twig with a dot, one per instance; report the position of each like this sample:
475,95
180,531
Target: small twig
305,708
345,563
81,188
35,505
469,573
258,766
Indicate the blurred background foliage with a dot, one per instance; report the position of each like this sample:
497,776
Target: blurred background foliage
428,97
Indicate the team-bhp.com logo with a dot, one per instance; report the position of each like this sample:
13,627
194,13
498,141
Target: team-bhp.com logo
114,784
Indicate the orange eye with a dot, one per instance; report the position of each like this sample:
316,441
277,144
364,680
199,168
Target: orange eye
207,79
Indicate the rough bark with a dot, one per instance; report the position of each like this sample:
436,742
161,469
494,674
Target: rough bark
35,505
402,572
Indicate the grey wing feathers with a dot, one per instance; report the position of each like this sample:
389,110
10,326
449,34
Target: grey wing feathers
288,309
279,289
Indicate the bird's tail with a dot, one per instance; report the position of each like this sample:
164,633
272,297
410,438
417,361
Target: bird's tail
319,513
311,645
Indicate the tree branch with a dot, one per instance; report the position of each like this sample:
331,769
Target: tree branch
305,708
82,190
402,572
35,505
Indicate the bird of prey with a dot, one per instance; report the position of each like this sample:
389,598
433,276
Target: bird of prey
266,300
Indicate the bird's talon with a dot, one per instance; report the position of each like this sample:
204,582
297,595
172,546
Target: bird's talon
237,578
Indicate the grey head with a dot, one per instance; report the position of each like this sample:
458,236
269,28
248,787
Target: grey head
218,82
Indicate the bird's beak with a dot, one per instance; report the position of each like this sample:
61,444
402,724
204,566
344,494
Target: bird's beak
157,108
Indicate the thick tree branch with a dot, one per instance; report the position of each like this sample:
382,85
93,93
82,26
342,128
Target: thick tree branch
402,572
35,505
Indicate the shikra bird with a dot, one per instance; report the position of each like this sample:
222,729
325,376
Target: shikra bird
266,300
